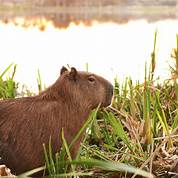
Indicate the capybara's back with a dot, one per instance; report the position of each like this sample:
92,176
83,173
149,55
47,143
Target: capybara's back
26,123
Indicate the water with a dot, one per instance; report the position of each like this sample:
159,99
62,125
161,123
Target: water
109,47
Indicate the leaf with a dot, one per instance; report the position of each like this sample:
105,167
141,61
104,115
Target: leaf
113,166
119,130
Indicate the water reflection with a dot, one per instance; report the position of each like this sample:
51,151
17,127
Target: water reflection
61,18
110,49
38,22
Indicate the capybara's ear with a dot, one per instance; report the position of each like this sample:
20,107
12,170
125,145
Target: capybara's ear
73,74
63,69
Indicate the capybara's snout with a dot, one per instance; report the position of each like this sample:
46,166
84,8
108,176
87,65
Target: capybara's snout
109,95
111,92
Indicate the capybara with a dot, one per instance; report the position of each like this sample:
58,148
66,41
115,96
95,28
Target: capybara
28,122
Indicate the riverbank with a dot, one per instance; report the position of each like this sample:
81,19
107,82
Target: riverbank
117,14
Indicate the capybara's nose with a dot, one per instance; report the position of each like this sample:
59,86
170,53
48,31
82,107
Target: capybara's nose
110,94
111,89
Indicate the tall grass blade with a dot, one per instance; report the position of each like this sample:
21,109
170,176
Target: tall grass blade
175,122
47,162
119,130
162,118
67,149
39,81
31,172
176,86
177,53
146,111
74,174
114,166
116,102
86,124
51,159
14,71
5,71
108,137
61,158
153,56
132,100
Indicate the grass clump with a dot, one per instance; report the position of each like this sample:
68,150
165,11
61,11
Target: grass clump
8,87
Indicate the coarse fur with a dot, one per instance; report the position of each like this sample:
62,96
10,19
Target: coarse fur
28,122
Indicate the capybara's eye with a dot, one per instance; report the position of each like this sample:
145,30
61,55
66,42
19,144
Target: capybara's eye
91,79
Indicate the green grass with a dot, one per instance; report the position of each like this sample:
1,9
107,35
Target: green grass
137,135
8,87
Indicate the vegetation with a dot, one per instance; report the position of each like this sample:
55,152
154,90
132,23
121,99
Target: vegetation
8,87
137,135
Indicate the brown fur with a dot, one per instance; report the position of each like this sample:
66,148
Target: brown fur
26,123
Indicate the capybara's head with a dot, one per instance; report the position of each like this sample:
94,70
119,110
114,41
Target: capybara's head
85,88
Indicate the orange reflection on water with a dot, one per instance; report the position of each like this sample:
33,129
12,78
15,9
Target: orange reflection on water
110,49
40,23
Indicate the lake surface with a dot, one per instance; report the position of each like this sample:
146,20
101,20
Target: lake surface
110,47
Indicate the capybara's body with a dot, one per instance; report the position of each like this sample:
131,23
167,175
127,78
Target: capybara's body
26,123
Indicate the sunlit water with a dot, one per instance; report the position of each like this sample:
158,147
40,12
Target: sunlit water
110,49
